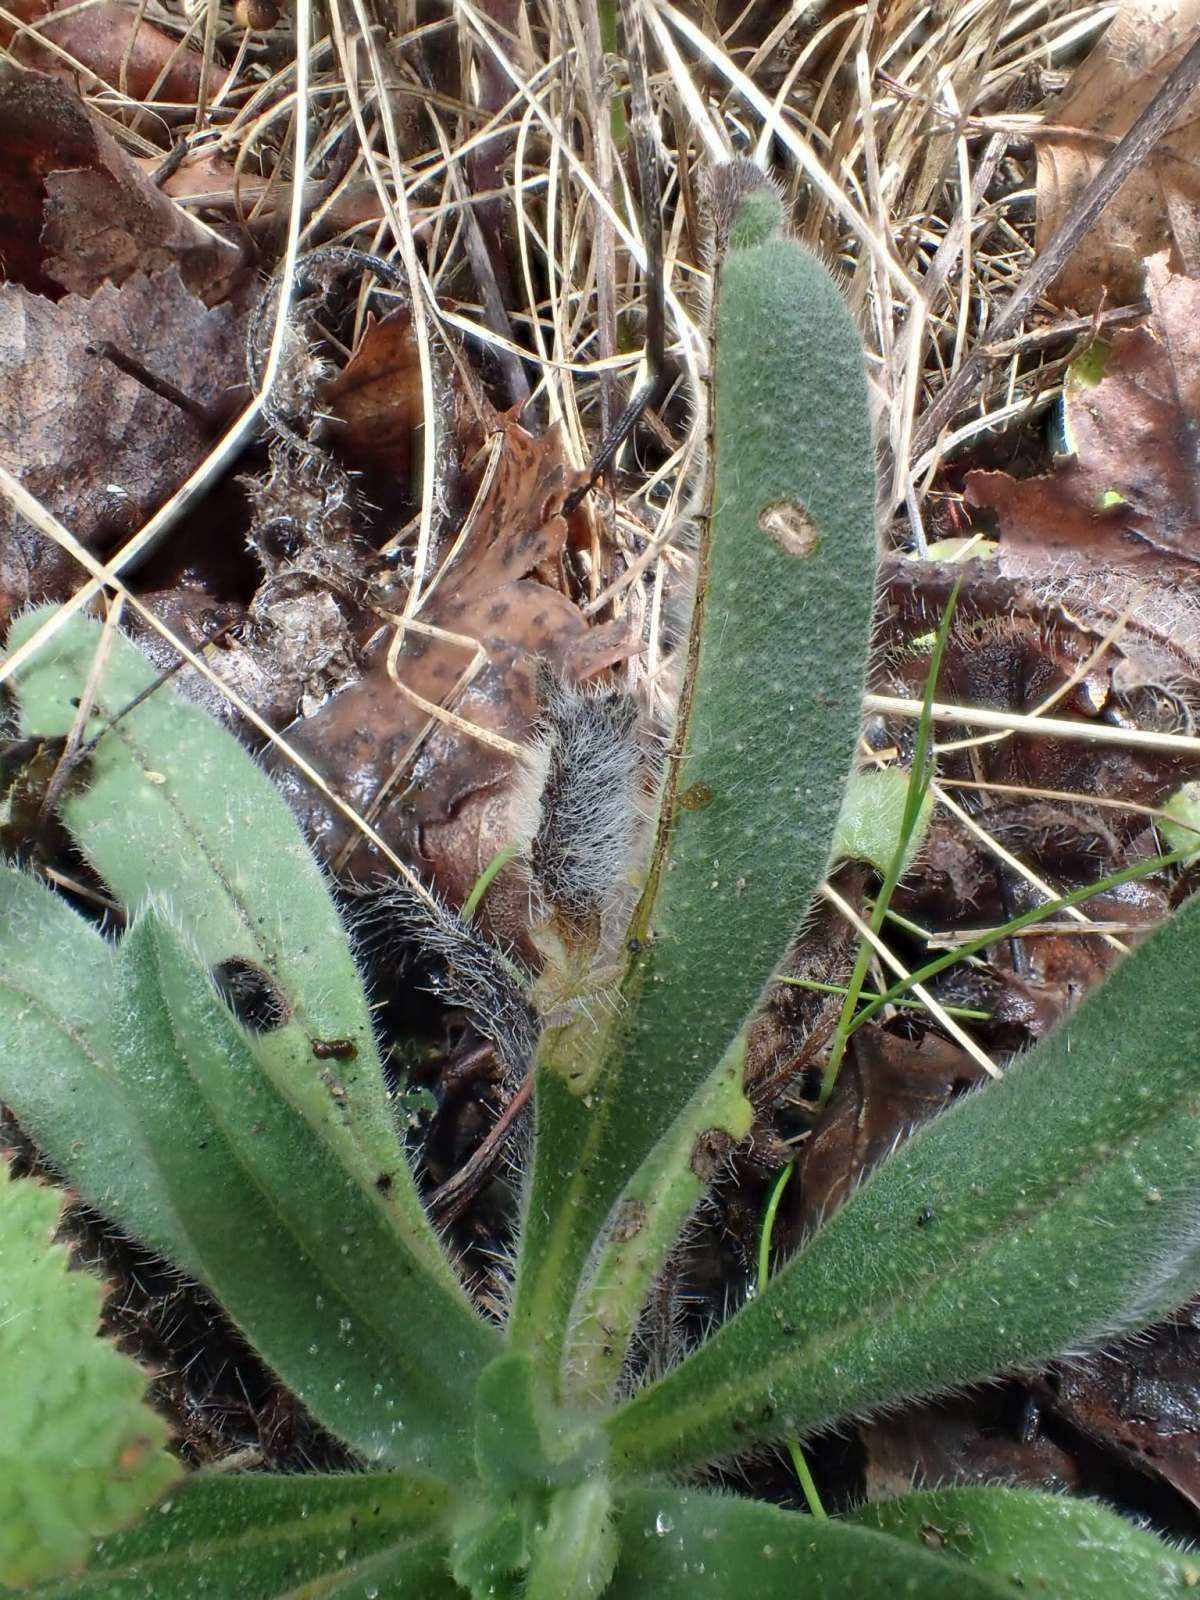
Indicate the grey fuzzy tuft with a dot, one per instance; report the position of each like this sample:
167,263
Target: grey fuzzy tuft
475,977
587,758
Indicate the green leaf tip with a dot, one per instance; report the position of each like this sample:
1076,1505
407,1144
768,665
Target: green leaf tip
1180,827
1054,1210
759,217
1038,1543
81,1454
870,826
744,204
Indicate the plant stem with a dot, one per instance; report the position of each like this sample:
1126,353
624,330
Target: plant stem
799,1463
912,1005
918,784
485,879
653,1211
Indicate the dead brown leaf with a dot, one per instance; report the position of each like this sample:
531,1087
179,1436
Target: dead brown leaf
1010,649
1129,497
1143,1401
506,592
888,1085
263,202
95,446
974,1439
117,44
76,211
376,399
1158,206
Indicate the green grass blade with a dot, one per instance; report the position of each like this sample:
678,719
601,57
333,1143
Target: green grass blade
754,780
916,795
1053,1211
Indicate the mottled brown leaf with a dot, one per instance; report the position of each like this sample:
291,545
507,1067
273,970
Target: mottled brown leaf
1135,435
505,591
376,398
264,202
94,445
76,211
1158,205
887,1086
980,1438
1143,1401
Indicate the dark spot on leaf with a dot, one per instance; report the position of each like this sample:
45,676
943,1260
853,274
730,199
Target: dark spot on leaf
696,798
253,996
709,1153
334,1049
628,1221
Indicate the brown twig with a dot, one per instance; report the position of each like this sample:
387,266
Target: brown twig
451,1198
1128,155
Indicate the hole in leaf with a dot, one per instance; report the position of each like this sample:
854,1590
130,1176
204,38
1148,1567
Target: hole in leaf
253,996
789,525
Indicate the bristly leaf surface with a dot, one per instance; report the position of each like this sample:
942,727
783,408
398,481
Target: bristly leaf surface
303,1259
81,1453
769,715
1055,1210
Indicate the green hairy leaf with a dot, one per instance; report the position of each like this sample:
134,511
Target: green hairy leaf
262,1538
869,827
754,776
169,804
210,1081
651,1214
310,1269
1053,1211
958,1543
58,1063
80,1451
1038,1543
701,1546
